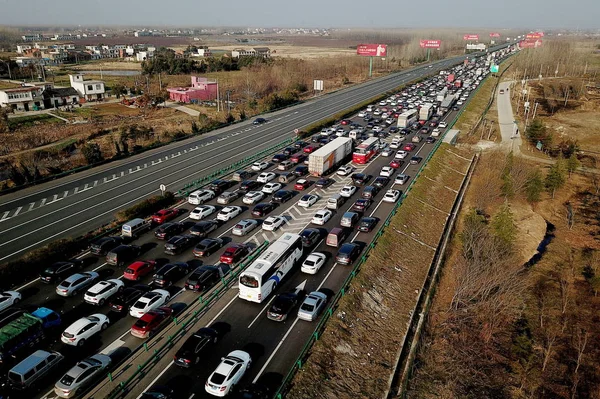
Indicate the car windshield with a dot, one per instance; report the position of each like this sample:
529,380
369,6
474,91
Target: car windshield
49,271
308,307
67,380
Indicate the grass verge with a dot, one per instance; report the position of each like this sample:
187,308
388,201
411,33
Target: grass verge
357,352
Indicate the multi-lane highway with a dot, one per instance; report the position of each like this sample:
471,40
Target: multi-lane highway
81,202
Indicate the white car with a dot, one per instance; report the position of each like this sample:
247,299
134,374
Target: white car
386,171
258,166
200,212
253,197
228,213
443,124
322,217
308,200
83,329
401,179
272,223
395,144
313,263
345,170
377,129
201,196
228,373
390,120
244,227
401,154
391,196
149,301
266,177
436,132
101,291
9,298
348,191
459,103
270,188
362,114
386,152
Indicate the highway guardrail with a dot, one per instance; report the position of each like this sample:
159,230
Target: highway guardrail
141,369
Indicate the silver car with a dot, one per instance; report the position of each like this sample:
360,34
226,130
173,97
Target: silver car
243,227
76,282
312,306
87,371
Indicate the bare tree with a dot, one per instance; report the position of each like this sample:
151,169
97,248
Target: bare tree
580,345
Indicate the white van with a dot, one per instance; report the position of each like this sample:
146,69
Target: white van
32,368
135,227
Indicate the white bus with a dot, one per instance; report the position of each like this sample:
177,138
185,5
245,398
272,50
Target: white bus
259,280
407,118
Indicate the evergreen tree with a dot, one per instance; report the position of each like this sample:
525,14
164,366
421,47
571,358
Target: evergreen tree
555,178
572,164
503,225
534,186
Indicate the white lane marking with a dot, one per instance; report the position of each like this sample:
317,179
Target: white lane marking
5,215
43,202
157,378
95,183
116,344
262,311
31,206
75,190
275,351
17,211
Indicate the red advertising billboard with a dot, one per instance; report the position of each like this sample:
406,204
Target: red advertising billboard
533,36
430,43
470,37
530,43
494,34
372,50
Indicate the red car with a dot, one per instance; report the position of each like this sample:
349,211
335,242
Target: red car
164,215
302,184
409,147
309,148
395,164
345,122
139,269
149,324
234,253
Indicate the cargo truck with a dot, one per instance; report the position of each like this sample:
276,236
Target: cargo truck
425,112
25,331
446,104
442,94
450,78
330,156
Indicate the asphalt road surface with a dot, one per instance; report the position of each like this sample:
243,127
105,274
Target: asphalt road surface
76,204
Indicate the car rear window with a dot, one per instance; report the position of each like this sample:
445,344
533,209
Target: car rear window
217,379
141,323
67,380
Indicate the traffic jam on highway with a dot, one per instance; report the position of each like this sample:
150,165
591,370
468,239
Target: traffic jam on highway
318,203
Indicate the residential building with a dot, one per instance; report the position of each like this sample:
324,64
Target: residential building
144,55
25,98
32,38
264,52
21,48
59,97
202,90
89,90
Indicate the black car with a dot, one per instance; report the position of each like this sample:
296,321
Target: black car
300,144
254,391
219,185
203,229
159,392
127,297
348,253
455,108
366,224
324,182
430,140
289,151
103,245
361,205
367,118
370,125
178,244
279,158
205,277
310,237
264,208
259,121
282,306
360,179
123,254
370,192
168,230
301,171
394,129
207,247
282,196
249,185
404,132
315,138
325,140
415,160
381,181
170,273
195,347
60,270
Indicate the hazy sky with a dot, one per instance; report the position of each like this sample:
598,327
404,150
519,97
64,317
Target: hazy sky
527,14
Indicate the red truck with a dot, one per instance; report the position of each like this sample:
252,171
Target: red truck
458,83
450,78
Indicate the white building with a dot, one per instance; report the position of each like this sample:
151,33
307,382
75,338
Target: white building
144,55
89,90
21,48
22,98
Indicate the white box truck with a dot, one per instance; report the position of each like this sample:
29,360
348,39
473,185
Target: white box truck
329,156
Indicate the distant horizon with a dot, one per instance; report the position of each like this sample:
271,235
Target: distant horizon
333,14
